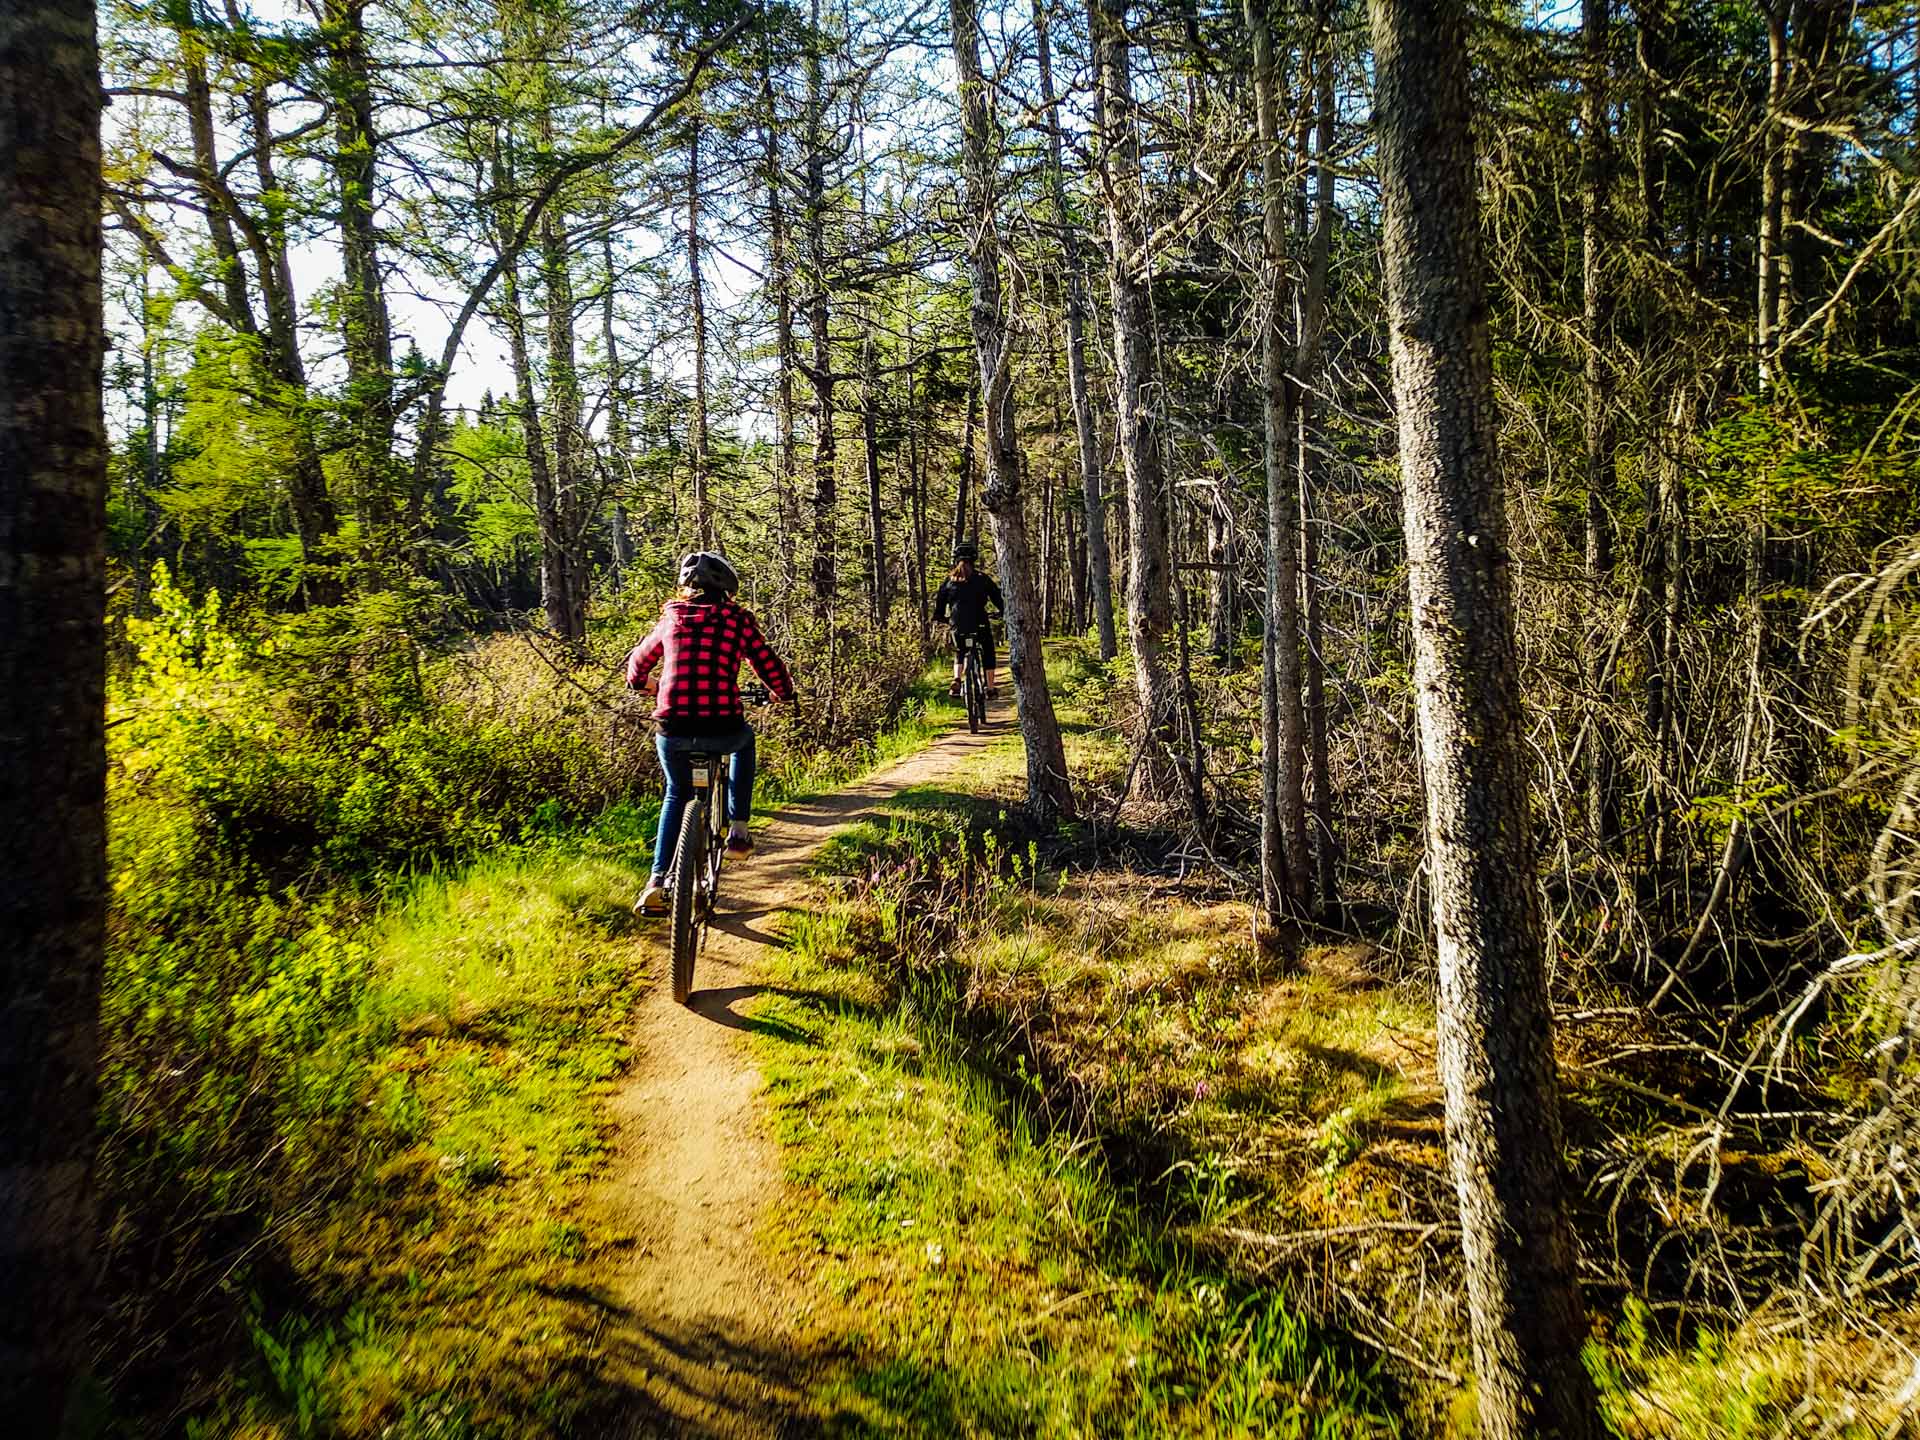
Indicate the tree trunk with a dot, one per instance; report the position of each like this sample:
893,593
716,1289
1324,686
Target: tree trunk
1310,373
1495,1031
1048,793
619,449
562,532
1149,567
882,596
313,513
53,870
553,577
916,496
1284,856
780,278
366,329
963,480
1772,184
697,425
1092,477
1603,809
825,455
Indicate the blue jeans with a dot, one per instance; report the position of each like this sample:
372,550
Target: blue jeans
673,751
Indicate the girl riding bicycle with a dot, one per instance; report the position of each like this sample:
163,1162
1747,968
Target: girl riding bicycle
967,592
702,637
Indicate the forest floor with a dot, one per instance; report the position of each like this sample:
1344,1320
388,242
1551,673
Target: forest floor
706,1335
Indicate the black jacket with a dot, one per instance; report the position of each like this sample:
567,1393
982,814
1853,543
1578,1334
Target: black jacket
968,600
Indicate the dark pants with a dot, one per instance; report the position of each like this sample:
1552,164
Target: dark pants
673,751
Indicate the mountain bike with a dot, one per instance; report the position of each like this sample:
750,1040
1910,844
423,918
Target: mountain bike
973,671
699,856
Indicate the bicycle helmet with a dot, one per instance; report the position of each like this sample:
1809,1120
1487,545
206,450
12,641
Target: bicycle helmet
704,570
968,551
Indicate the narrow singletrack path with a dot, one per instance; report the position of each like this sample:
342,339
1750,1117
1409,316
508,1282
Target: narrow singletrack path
705,1339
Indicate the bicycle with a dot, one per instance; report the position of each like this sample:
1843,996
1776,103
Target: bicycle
698,857
973,681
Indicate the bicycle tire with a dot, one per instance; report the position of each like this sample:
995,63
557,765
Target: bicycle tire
976,693
716,854
688,861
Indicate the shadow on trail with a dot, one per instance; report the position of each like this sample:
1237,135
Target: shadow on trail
718,1006
698,1381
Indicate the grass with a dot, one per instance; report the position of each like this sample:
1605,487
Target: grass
1052,1126
996,1274
448,1290
440,1295
992,1278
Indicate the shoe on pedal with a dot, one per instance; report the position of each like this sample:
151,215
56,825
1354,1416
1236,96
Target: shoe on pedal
653,903
953,691
740,846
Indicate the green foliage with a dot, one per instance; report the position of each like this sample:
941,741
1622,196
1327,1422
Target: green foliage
1009,1283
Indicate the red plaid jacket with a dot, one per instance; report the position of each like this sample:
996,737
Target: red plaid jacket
703,646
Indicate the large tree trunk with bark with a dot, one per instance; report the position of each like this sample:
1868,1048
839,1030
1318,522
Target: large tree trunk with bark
1099,570
1048,793
1495,1023
1149,562
1284,856
53,880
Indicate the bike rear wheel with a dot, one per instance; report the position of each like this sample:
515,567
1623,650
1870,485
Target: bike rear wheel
689,865
976,692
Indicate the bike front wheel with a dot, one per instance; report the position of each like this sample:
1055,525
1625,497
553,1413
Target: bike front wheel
689,867
976,694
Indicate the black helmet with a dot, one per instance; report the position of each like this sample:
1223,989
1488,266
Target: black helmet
968,551
704,570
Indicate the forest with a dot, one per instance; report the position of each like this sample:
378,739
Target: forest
1426,945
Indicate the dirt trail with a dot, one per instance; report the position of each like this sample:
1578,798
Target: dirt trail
707,1341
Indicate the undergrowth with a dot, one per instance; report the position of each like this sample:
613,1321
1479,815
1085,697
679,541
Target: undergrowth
370,967
999,1273
1165,1110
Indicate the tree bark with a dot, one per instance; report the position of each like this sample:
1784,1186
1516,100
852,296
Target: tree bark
1048,793
820,374
1597,305
265,235
882,597
697,438
619,450
53,875
1495,1034
563,536
1310,373
1149,566
1772,184
1284,856
367,331
780,279
1092,478
963,478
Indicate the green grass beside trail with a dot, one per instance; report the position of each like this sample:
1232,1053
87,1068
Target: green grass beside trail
988,1274
432,1289
411,1107
1037,1122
